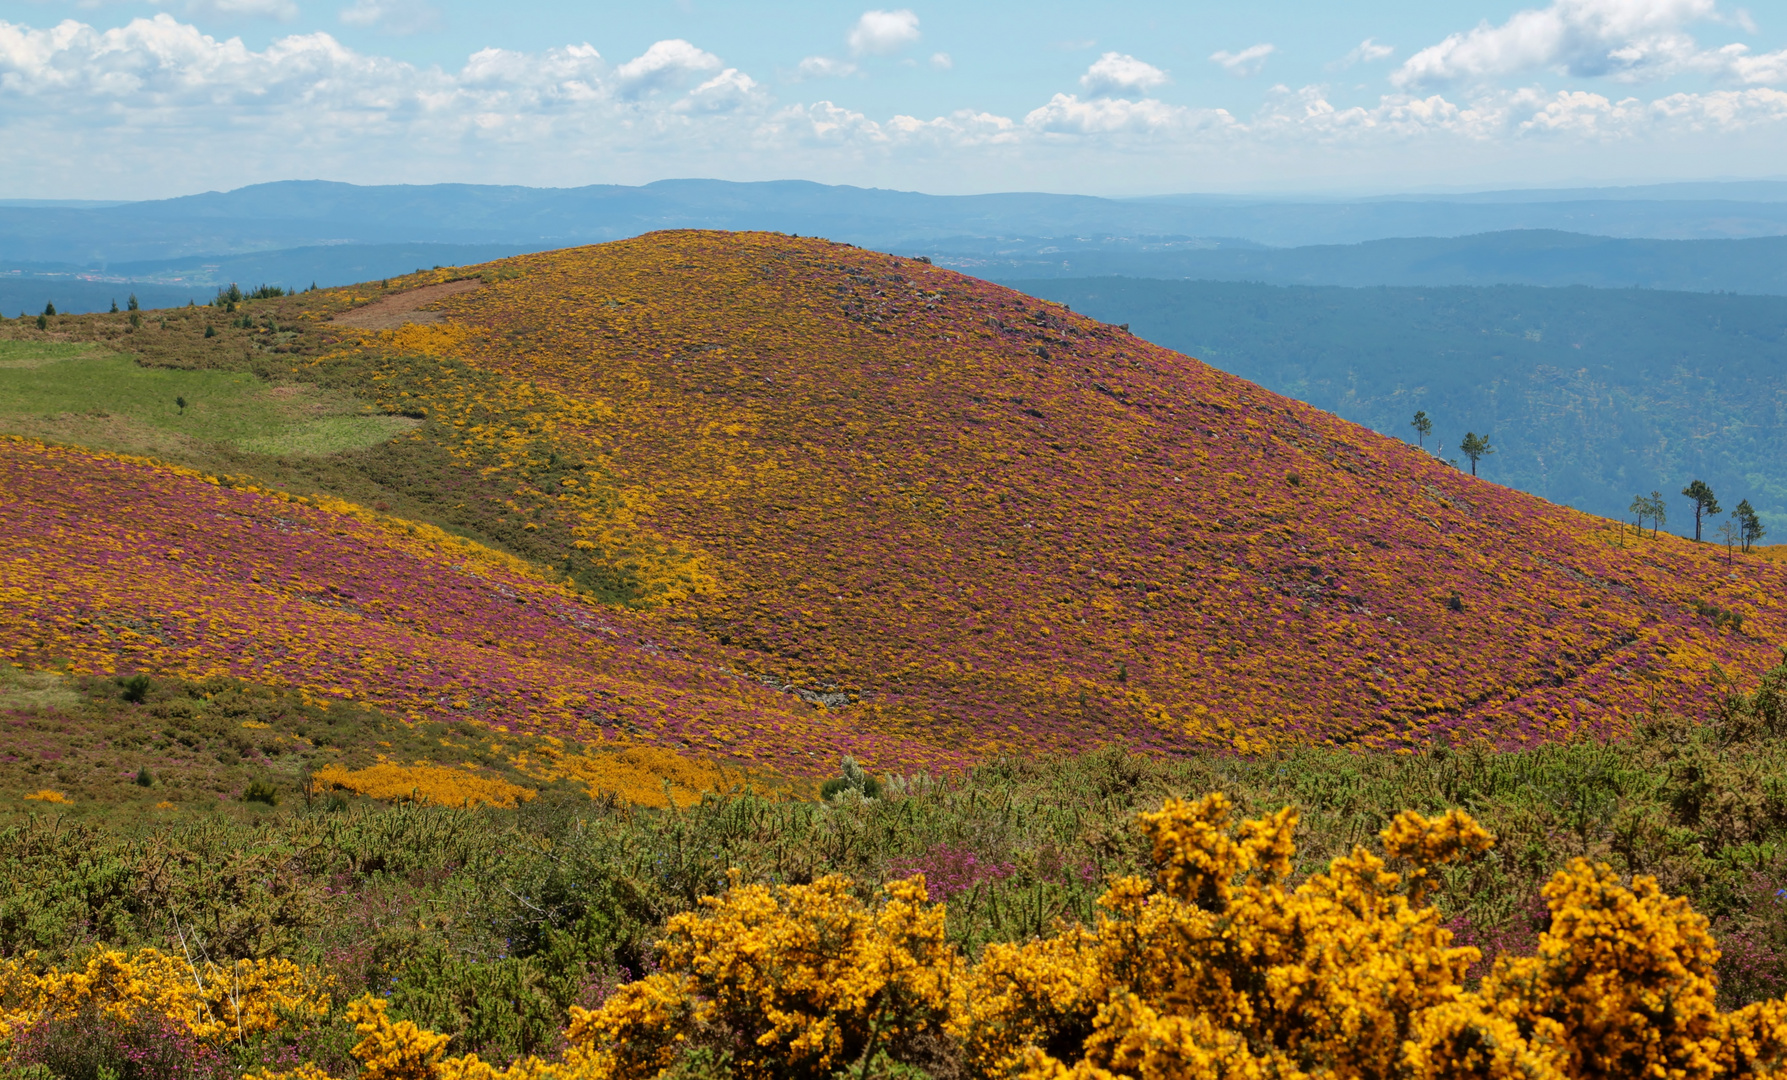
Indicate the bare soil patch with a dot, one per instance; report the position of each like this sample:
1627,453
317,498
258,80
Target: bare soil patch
394,311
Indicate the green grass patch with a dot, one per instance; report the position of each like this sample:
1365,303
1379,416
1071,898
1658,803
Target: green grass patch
31,354
78,393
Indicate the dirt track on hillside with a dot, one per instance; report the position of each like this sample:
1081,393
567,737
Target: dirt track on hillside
394,311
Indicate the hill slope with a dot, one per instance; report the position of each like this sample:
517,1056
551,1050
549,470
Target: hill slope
998,525
1592,395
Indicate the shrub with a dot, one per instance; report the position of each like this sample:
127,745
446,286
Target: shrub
145,778
794,979
261,791
136,689
853,779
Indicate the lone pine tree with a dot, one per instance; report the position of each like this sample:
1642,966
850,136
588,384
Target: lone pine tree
1705,502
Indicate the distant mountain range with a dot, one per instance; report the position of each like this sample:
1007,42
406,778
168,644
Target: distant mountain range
1709,237
1521,257
290,214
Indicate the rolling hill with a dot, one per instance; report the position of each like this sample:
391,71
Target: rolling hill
772,499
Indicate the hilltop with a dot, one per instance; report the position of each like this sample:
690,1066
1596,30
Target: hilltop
772,499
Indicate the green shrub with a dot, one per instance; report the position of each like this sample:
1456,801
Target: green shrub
136,689
261,791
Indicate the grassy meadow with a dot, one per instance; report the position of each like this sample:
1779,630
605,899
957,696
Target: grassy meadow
89,396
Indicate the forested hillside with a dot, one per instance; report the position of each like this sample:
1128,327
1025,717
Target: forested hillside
1590,396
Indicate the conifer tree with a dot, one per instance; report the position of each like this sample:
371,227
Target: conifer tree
1423,427
1749,526
1705,502
1659,513
1475,446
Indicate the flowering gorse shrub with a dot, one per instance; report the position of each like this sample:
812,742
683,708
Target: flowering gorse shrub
212,1002
797,978
1214,965
424,783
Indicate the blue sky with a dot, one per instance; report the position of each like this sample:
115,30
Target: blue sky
127,98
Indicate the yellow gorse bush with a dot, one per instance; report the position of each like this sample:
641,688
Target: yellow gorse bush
807,975
1213,967
435,784
216,1002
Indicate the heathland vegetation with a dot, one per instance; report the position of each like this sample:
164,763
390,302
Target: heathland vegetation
1591,394
872,604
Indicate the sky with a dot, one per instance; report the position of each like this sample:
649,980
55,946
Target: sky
129,99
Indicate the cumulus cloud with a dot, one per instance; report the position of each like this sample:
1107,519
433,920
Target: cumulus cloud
728,91
1246,62
1734,62
879,33
1624,40
80,102
942,61
824,67
400,17
666,65
1367,52
1117,73
1067,114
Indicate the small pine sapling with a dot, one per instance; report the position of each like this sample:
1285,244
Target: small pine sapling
136,689
1729,535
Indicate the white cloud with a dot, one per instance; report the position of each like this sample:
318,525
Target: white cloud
91,113
1119,73
1067,114
1246,62
666,65
1366,52
728,91
400,17
279,10
879,33
1735,63
942,61
824,67
1625,40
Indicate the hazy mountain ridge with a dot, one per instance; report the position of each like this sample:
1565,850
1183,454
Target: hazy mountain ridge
291,214
1523,257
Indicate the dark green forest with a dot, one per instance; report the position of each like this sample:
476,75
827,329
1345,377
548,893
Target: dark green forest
1589,396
